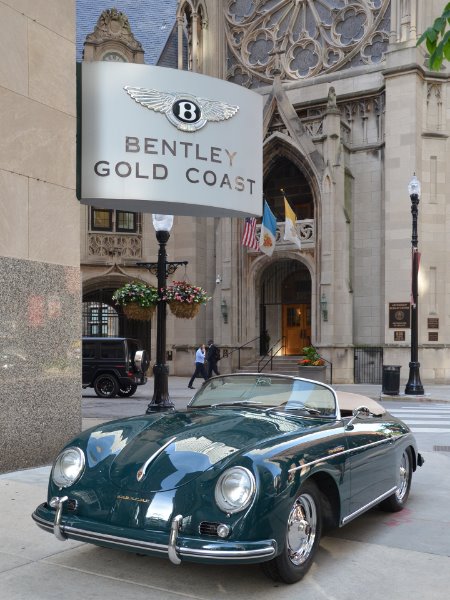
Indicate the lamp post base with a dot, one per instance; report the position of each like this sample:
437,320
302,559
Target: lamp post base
414,386
161,400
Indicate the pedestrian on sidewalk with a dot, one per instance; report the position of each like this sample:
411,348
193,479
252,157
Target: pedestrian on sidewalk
200,370
212,358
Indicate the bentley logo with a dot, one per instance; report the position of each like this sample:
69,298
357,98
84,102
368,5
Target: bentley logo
185,111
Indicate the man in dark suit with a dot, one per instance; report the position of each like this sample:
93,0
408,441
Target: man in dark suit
212,357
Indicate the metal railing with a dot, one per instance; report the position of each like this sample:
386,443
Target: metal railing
239,348
269,355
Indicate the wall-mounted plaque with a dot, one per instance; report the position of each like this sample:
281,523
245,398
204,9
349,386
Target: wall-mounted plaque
399,336
433,323
433,336
399,315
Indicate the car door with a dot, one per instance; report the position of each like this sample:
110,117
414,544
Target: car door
372,461
89,360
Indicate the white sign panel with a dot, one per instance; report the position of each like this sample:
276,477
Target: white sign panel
170,142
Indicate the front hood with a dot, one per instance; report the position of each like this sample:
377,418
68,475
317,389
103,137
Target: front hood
175,448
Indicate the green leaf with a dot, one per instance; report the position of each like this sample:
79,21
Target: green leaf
439,25
436,60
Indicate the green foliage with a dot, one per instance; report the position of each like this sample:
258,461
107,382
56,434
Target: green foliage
437,40
142,294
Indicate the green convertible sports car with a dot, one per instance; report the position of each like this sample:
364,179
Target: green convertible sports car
250,472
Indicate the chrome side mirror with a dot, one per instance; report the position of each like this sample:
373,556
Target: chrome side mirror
361,411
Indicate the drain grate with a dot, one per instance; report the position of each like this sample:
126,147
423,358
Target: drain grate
441,448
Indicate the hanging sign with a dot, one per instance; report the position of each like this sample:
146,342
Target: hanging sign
167,141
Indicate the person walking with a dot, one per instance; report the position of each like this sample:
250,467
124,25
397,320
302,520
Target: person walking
212,357
200,370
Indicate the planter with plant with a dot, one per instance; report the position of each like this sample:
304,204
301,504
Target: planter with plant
184,299
137,299
311,365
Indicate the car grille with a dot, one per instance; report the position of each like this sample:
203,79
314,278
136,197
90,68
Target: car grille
208,528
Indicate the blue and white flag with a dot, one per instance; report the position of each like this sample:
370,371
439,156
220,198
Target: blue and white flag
268,233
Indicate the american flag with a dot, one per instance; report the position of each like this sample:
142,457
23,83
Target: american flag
249,236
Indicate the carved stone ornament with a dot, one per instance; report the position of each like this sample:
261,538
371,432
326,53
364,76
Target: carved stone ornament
310,37
113,25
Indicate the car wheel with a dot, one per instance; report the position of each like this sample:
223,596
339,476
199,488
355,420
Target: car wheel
106,386
399,498
303,530
127,390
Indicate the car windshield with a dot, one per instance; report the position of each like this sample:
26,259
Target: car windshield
267,393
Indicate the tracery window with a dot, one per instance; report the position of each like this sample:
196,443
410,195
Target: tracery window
191,18
302,38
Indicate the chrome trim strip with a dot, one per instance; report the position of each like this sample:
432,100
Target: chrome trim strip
141,473
328,456
352,516
111,539
261,552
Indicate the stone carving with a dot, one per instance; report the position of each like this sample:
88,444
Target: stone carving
302,38
331,98
113,25
115,246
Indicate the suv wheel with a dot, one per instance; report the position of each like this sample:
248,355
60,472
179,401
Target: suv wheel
106,386
127,390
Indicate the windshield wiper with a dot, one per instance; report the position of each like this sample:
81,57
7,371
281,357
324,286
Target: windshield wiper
237,403
307,409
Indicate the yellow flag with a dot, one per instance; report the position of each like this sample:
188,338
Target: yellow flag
290,232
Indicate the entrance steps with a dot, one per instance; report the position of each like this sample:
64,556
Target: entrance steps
283,365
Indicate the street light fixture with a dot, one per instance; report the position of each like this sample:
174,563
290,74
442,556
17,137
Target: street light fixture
414,385
161,400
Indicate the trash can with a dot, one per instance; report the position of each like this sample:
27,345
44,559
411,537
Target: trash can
391,380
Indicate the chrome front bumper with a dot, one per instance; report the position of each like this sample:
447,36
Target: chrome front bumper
178,547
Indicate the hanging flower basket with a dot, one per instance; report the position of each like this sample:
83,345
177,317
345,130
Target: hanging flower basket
184,299
183,310
138,300
138,313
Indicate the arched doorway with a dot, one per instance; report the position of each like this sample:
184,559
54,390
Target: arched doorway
102,318
285,306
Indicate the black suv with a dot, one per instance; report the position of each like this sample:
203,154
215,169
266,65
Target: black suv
114,365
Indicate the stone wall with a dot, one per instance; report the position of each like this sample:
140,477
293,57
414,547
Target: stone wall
40,369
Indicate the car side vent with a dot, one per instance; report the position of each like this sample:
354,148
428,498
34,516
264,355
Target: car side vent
208,528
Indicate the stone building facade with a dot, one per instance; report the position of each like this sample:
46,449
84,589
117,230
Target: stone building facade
40,404
351,113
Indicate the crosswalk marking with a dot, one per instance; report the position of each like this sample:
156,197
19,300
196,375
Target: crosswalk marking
424,418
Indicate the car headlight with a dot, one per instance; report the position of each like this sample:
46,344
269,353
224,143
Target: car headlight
68,467
235,489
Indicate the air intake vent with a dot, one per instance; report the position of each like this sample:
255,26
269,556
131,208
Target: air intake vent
207,528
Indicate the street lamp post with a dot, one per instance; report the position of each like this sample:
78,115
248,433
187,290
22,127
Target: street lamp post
161,399
414,385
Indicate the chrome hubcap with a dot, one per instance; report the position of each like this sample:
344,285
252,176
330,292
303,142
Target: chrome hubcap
403,481
301,531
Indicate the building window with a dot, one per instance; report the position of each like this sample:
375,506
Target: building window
103,219
126,221
99,320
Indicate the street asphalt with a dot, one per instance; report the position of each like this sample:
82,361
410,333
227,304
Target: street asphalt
380,556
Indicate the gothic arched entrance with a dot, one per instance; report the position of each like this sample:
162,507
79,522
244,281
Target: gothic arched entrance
102,318
285,306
